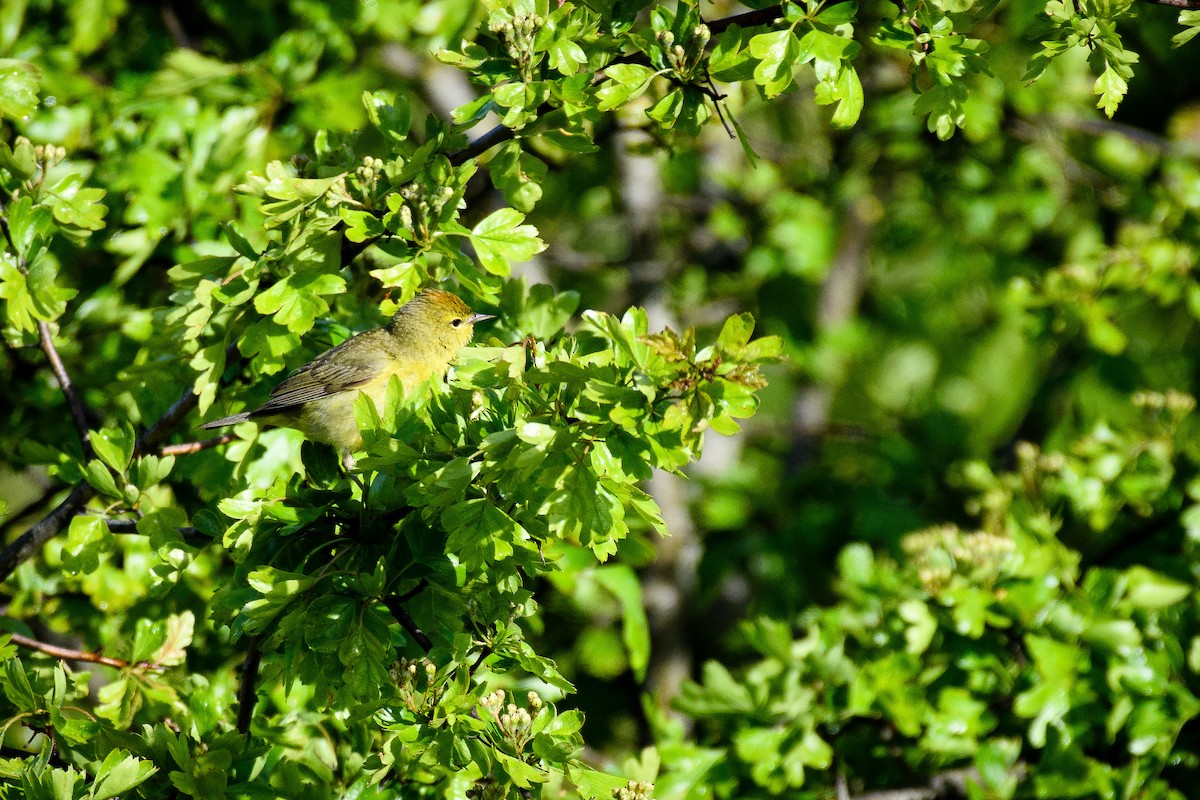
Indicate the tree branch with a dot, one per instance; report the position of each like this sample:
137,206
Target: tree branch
32,540
195,447
129,526
66,653
395,605
165,424
247,691
78,412
1185,4
762,16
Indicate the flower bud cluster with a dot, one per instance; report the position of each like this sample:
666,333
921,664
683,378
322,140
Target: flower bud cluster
519,35
338,194
940,552
1175,402
515,723
49,154
416,681
487,789
634,790
422,209
684,57
366,179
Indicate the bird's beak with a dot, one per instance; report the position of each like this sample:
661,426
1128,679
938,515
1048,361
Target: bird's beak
479,318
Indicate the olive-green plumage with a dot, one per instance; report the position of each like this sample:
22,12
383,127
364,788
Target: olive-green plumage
419,342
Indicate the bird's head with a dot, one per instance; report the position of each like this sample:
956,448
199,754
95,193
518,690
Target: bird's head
439,316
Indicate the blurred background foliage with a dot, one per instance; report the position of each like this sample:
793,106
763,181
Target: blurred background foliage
956,544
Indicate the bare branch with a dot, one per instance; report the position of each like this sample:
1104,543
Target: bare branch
951,783
16,514
247,691
66,653
32,540
195,447
1185,4
46,340
395,605
129,527
762,16
170,420
78,413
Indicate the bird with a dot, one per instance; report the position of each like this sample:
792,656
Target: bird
420,341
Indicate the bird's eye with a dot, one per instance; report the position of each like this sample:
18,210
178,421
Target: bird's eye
456,322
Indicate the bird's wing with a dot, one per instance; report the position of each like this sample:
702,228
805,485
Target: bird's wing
345,367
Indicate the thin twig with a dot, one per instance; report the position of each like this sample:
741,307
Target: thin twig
129,527
46,339
763,16
66,653
484,652
917,30
31,542
195,447
74,403
165,424
247,691
1185,4
413,592
396,606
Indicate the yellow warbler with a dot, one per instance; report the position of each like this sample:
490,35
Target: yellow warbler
419,342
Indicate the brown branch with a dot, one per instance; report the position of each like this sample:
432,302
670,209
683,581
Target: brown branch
951,783
762,16
1184,4
78,412
170,419
195,447
247,691
501,134
840,294
129,527
32,540
16,514
395,605
66,653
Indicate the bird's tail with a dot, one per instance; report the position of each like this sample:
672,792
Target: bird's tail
232,420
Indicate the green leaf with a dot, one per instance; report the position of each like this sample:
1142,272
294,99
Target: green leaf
777,52
849,94
635,630
1149,589
1191,22
625,82
390,115
1111,87
19,83
500,238
518,175
735,335
838,14
114,447
120,772
296,301
16,687
944,107
88,538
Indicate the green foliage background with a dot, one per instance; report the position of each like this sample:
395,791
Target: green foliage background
923,279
